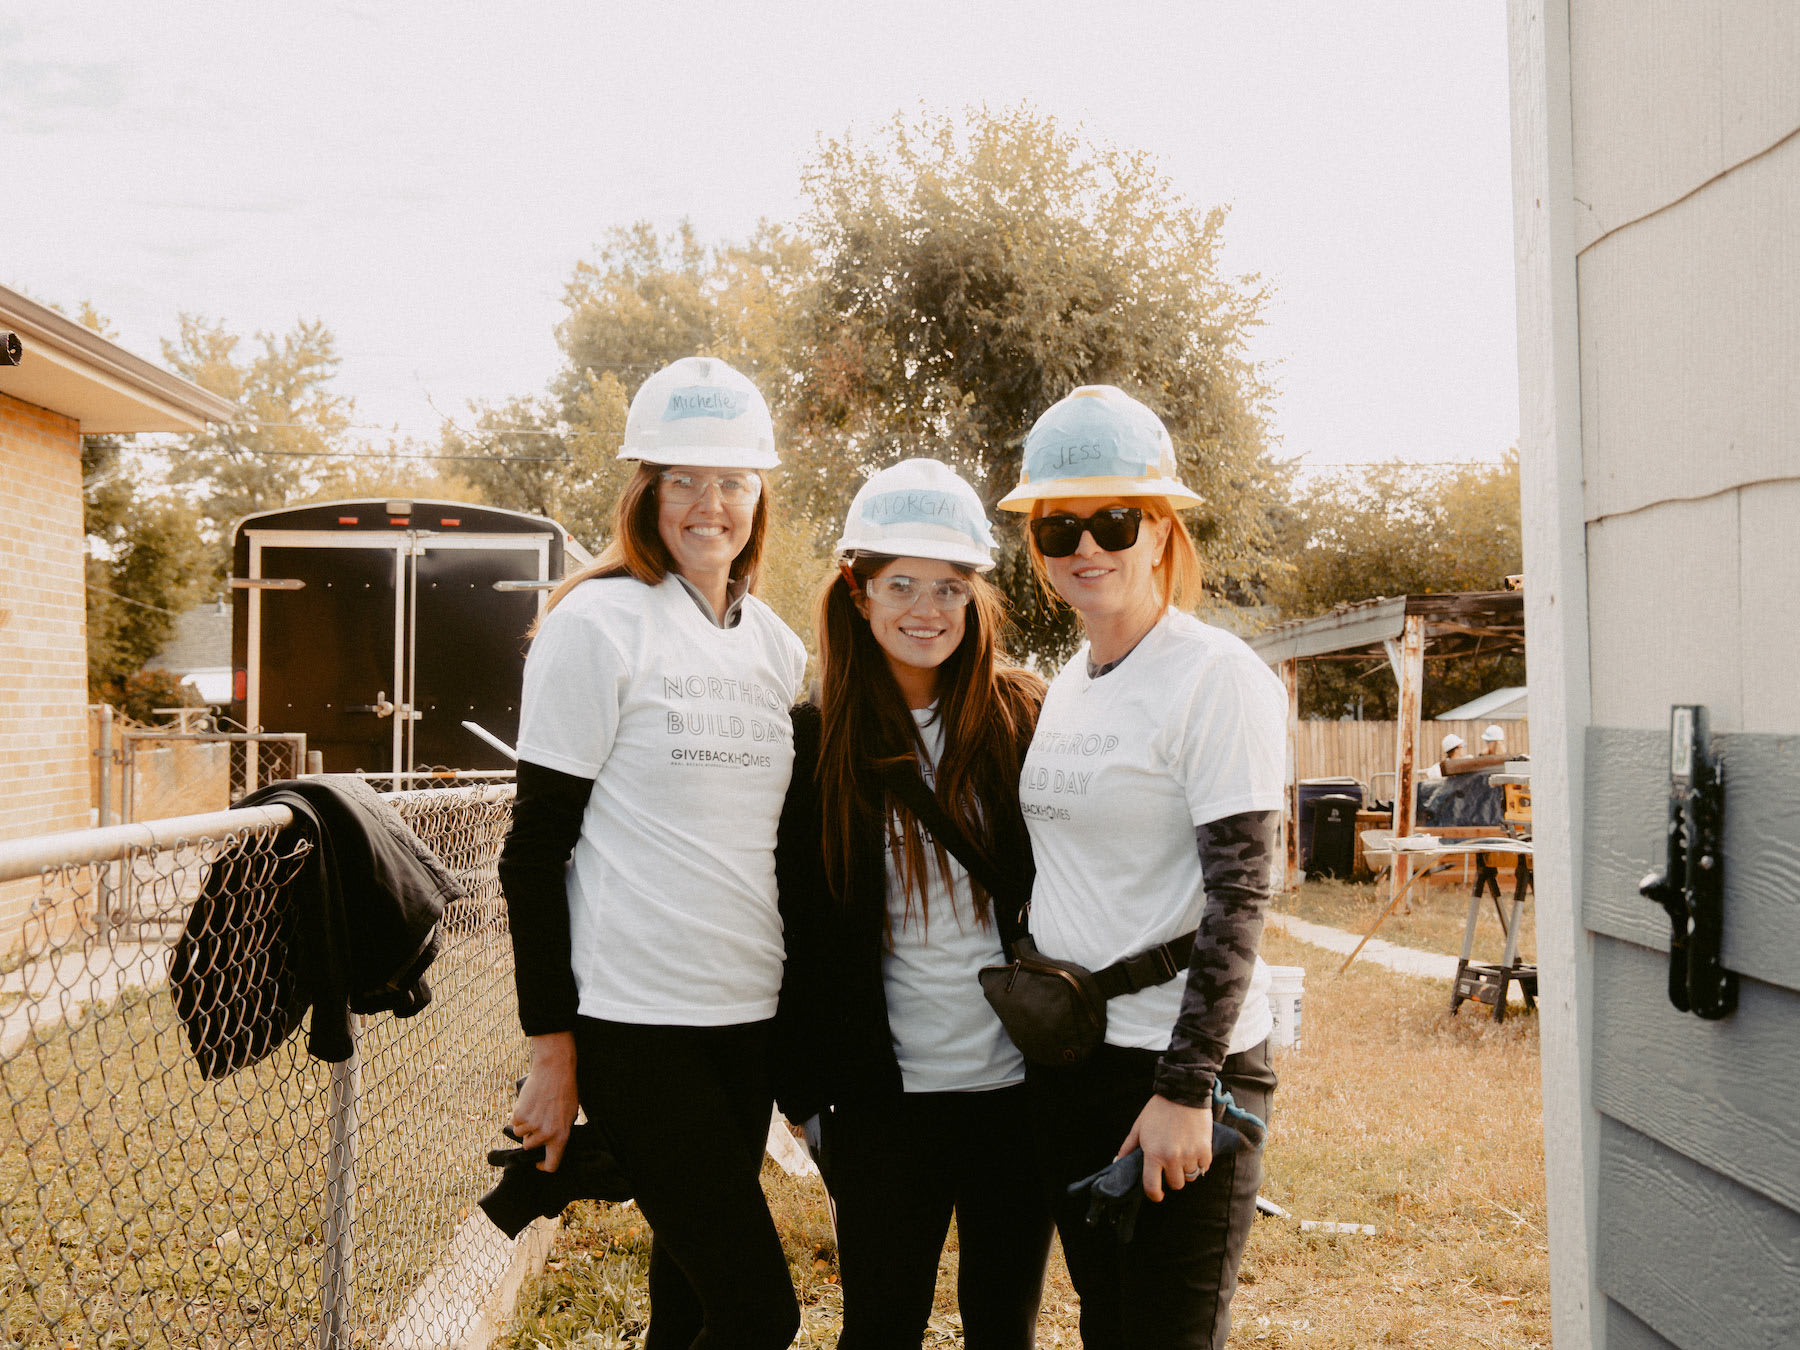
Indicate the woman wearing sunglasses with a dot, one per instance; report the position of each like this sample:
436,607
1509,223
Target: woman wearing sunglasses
920,1093
655,746
1152,790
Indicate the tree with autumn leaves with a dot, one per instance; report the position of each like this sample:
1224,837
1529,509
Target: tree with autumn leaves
947,280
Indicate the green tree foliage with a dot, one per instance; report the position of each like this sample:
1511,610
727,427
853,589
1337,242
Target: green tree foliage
146,562
974,270
281,452
523,456
647,300
950,279
1393,530
145,558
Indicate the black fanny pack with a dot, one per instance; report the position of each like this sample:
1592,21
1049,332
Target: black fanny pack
1053,1010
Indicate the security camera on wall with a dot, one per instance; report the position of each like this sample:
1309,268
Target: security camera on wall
12,351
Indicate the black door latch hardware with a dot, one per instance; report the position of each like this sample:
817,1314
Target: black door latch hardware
1690,886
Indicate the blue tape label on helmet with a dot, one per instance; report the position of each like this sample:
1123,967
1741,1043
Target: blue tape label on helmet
925,508
1071,457
705,400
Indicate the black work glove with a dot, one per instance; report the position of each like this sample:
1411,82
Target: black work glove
588,1172
1116,1192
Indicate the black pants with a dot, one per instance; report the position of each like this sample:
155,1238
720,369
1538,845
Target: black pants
897,1169
686,1110
1169,1288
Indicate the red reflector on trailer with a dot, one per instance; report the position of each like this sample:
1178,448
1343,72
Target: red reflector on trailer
238,685
346,520
398,520
451,520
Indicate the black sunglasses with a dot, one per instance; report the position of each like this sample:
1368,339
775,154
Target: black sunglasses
1114,529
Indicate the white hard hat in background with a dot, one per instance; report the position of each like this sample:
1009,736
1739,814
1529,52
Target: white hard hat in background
919,508
1098,442
1451,741
1493,733
700,411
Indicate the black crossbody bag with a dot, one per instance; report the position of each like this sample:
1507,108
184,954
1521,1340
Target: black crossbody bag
1054,1011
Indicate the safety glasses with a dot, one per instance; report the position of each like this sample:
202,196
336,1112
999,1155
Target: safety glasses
897,592
1114,528
681,488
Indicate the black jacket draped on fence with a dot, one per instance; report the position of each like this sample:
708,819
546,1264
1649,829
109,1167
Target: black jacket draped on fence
352,930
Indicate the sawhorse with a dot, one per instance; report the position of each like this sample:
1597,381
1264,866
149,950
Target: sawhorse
1483,981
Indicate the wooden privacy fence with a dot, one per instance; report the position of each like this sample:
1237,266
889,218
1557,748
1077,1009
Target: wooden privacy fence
1363,750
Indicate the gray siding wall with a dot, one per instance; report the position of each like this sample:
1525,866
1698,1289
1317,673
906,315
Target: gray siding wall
1686,167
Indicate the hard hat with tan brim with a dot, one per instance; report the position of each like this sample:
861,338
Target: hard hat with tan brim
1098,442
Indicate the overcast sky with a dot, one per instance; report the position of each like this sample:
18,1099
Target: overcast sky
423,176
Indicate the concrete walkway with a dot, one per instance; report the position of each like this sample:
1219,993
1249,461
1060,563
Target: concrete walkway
49,991
1391,956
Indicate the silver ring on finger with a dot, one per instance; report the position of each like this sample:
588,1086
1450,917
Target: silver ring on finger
1193,1174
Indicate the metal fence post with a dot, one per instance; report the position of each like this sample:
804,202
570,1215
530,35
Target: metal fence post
337,1276
103,891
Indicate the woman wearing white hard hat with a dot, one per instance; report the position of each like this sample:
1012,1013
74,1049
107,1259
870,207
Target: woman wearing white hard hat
1451,745
907,767
1152,791
655,746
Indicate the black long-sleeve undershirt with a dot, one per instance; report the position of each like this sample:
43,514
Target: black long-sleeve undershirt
546,824
1236,858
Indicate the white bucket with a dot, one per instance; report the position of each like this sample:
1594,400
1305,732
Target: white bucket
1287,985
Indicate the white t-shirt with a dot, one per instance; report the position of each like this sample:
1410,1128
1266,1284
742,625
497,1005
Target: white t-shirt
946,1037
684,726
1191,727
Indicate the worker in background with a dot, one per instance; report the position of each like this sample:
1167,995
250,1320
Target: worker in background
1492,755
1451,744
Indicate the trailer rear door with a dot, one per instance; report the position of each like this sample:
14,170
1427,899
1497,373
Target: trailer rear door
327,657
474,599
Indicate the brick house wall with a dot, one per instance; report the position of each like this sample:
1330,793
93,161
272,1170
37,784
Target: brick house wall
43,637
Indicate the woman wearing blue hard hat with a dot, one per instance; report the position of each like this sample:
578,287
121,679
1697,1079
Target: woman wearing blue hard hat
655,746
1152,791
903,864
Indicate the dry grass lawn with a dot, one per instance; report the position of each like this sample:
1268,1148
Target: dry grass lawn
1392,1113
1434,925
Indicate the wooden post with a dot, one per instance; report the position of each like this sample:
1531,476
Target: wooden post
1554,538
1410,670
1290,823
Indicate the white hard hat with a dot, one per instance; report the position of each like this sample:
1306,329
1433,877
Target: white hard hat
919,508
1451,741
700,411
1493,733
1098,442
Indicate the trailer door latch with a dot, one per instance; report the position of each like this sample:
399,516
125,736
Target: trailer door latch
380,707
1690,886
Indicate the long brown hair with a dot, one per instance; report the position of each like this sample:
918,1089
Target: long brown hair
985,703
1178,576
637,549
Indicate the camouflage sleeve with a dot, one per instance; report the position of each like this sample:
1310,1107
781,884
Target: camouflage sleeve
1236,855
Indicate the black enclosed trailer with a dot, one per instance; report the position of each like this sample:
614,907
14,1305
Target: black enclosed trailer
379,627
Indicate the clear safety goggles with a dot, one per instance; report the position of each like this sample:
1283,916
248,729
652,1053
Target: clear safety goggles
898,592
679,487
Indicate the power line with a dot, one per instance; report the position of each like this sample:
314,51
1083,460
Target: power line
142,604
396,431
355,454
1406,464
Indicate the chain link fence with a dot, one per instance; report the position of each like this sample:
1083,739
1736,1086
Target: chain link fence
171,772
285,1203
